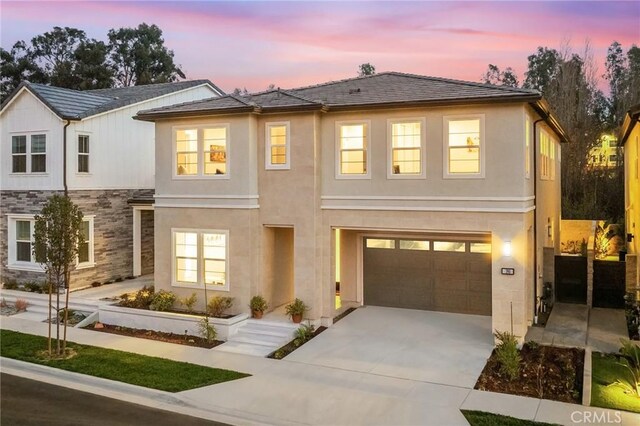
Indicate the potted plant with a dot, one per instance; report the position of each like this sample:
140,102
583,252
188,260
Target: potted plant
296,310
258,305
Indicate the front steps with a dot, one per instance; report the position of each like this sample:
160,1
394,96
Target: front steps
37,308
259,337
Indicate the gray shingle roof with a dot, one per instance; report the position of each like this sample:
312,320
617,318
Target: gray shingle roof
384,89
77,104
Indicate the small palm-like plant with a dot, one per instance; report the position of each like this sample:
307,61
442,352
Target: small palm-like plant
630,359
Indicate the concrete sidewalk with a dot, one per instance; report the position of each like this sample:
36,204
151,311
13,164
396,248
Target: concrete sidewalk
286,392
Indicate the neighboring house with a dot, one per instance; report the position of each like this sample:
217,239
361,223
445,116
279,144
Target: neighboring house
410,191
108,170
605,154
630,142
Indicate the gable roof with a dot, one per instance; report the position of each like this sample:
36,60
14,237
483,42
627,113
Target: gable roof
379,90
631,119
71,104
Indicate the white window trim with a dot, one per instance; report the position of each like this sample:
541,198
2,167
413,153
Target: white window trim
12,263
445,146
267,146
78,153
528,136
367,125
199,285
28,171
200,174
423,144
91,262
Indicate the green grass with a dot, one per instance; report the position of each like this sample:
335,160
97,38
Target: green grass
141,370
480,418
605,371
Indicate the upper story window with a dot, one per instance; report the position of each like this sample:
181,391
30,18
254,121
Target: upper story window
83,154
29,153
202,151
527,147
464,150
552,159
545,155
277,149
353,152
201,257
406,148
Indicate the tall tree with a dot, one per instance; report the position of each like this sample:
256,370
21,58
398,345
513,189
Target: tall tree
55,51
493,75
366,69
17,65
57,237
91,69
139,56
542,69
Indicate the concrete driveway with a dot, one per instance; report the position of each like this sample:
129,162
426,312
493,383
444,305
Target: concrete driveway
434,347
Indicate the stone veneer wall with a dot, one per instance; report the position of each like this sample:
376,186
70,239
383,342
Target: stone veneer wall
113,233
146,242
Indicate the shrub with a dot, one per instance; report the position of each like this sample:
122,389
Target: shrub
507,354
630,359
258,303
96,284
532,345
3,303
189,302
10,285
140,299
218,305
304,334
21,305
118,280
33,287
297,307
207,330
162,301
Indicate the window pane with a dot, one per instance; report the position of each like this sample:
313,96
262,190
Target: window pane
38,163
464,160
83,144
38,144
19,144
278,135
352,136
414,245
85,229
187,270
83,163
353,162
19,164
278,155
480,247
187,164
23,251
215,151
406,161
449,246
214,254
83,252
23,230
405,135
379,243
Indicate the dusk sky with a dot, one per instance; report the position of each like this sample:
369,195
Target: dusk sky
252,44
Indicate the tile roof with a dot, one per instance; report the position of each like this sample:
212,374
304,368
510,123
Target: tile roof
384,89
78,104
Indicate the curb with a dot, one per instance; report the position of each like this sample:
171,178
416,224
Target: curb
130,393
586,378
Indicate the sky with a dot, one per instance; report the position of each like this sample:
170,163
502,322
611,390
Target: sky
252,44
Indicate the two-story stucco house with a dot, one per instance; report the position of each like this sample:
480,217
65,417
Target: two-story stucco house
392,190
87,143
630,142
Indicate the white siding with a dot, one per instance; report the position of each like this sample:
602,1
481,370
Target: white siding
26,114
122,150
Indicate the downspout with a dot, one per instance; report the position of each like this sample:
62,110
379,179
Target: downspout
64,158
535,217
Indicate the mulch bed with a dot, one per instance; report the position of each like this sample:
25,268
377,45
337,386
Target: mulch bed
546,372
342,315
291,346
180,339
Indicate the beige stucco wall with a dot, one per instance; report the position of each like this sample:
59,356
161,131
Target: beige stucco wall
632,197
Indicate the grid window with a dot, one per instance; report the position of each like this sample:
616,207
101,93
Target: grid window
214,249
187,152
353,149
19,154
186,261
83,154
215,151
464,144
406,148
38,154
277,146
84,252
23,240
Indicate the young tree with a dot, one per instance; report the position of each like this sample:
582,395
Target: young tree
366,69
58,234
139,56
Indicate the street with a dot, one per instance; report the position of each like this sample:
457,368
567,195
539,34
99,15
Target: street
29,402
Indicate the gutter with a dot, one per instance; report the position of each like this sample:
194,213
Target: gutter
64,158
535,217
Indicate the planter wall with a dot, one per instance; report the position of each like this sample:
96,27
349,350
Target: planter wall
167,322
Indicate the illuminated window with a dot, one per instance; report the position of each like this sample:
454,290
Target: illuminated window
414,245
552,159
83,154
352,150
277,146
527,147
464,146
380,243
187,152
545,163
480,247
215,150
406,148
201,257
454,246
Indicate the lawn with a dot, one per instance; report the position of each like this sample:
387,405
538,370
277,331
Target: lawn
480,418
141,370
603,394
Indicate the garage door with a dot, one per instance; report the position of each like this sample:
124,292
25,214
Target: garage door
439,274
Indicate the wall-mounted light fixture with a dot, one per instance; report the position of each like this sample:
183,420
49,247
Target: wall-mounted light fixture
506,249
549,228
629,237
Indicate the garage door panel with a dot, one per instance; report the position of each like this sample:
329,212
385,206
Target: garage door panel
425,279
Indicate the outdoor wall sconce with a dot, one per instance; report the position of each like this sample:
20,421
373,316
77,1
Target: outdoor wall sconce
629,237
549,228
506,249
